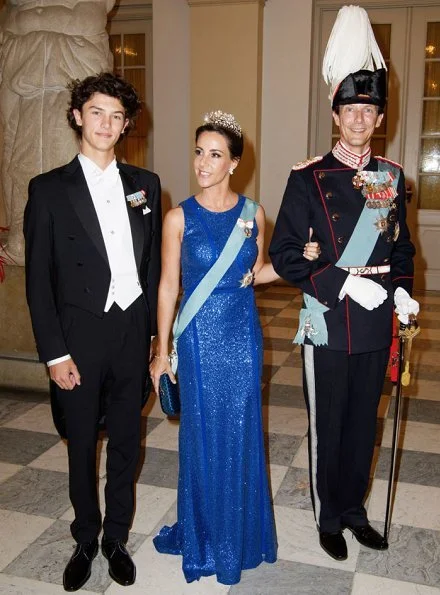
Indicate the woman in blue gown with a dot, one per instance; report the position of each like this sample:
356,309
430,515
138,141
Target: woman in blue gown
224,515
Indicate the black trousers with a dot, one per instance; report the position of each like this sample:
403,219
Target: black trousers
342,394
111,354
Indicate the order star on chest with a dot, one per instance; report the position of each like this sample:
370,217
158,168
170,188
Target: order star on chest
381,224
247,279
246,226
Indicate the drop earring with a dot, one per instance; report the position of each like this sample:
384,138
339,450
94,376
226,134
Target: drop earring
231,171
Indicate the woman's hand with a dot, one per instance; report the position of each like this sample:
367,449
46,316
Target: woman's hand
159,365
312,250
172,232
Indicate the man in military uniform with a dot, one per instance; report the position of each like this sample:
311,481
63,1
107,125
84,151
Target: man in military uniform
355,204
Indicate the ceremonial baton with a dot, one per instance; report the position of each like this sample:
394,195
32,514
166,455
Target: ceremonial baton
407,332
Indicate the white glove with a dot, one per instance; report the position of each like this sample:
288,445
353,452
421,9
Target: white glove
405,305
365,292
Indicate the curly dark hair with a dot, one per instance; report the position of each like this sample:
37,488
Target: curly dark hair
106,83
234,141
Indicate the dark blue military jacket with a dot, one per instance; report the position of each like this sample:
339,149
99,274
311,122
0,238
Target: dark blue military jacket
321,195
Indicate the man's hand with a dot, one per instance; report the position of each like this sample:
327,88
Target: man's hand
405,305
65,374
365,292
312,250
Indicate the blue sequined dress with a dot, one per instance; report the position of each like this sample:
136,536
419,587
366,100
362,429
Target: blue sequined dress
225,521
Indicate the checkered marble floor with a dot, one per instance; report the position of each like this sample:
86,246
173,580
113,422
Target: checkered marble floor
35,511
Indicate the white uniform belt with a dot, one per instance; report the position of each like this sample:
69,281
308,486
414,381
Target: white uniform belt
374,270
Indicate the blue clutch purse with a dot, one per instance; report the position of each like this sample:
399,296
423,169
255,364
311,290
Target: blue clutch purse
169,396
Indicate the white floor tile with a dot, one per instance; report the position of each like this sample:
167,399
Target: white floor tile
298,540
37,419
275,358
414,505
288,376
56,458
161,574
414,436
276,476
152,503
165,435
8,470
367,584
11,585
424,389
301,459
285,420
18,531
152,408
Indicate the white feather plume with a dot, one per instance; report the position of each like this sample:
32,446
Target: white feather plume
351,47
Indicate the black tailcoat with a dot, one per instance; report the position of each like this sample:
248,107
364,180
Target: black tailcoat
66,259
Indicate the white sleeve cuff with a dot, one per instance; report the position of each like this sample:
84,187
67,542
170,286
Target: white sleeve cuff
57,360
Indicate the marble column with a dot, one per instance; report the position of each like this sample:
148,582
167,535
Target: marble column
44,45
226,72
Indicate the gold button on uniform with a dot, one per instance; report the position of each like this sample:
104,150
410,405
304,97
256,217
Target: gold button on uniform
321,175
329,195
335,217
341,240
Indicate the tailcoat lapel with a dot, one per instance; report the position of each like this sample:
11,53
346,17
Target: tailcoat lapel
79,196
136,218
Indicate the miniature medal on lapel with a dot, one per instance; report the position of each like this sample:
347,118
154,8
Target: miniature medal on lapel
137,198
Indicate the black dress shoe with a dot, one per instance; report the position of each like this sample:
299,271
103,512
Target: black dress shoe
120,565
79,567
334,544
368,537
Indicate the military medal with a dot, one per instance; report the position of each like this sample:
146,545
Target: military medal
358,180
377,188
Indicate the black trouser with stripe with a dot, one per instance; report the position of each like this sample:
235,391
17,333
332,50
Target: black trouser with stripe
342,394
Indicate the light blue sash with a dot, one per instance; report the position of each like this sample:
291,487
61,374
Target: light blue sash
357,252
212,278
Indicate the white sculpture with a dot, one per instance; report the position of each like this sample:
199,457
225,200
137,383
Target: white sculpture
44,45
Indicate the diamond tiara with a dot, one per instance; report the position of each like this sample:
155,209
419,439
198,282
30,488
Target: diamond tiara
223,120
